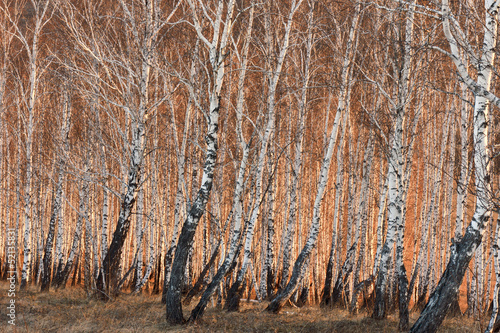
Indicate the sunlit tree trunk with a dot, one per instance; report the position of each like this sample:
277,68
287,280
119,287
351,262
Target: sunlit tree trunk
57,203
30,44
342,109
237,207
297,157
273,77
396,182
326,298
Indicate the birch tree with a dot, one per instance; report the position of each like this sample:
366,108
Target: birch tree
396,182
342,109
237,207
30,41
462,249
217,47
57,202
272,78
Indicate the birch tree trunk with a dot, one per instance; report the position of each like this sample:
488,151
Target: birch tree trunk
463,249
395,179
42,15
61,279
57,203
342,109
234,293
216,48
297,162
47,258
326,298
237,206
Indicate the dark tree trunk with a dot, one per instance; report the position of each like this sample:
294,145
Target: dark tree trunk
202,304
362,286
404,319
157,274
108,275
234,292
47,255
422,292
326,296
74,281
343,276
199,283
447,289
173,295
271,286
223,271
107,279
58,273
455,308
303,297
298,271
234,295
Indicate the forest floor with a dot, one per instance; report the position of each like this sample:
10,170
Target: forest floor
70,310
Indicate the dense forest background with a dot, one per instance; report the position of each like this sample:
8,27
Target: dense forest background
318,152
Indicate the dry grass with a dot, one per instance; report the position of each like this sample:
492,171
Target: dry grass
72,311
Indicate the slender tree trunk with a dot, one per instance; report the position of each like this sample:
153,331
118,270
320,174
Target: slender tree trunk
494,323
396,182
47,257
233,298
342,112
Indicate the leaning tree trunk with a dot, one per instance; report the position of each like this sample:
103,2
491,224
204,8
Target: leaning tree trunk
47,256
233,297
216,48
463,249
342,111
107,279
173,295
236,231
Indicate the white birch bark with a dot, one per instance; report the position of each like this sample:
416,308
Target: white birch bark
384,187
57,205
139,234
31,46
273,79
237,206
463,249
395,172
362,215
342,108
152,221
88,240
297,162
217,48
463,182
60,281
336,243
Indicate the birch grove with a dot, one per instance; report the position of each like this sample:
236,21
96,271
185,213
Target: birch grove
291,153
